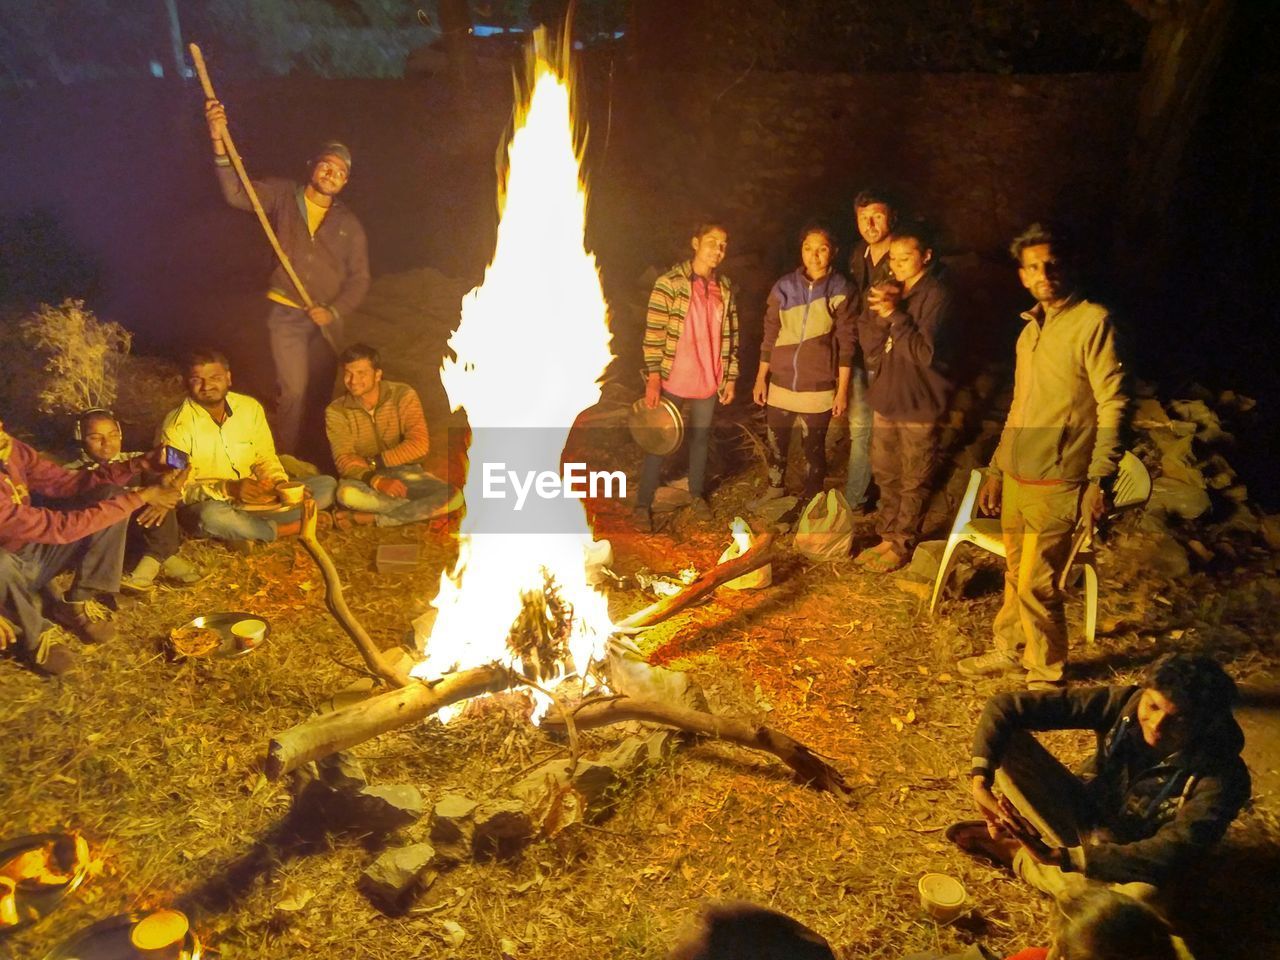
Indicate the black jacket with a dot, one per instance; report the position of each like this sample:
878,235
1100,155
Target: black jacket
907,353
333,265
1161,815
864,275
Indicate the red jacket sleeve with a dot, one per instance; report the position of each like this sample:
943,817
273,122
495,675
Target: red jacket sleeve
48,478
27,524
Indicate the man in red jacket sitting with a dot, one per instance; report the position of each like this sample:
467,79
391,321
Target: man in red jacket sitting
83,531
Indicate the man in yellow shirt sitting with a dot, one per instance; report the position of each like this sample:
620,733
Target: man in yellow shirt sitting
234,467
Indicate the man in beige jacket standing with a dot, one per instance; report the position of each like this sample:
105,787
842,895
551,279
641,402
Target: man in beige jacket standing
1056,458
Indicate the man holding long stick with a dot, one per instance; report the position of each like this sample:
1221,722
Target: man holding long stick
326,245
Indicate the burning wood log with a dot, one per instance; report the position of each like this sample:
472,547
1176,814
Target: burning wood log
337,604
328,733
810,768
717,576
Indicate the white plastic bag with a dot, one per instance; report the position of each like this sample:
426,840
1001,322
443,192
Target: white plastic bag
825,530
742,542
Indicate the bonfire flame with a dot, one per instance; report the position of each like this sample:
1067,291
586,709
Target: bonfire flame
531,348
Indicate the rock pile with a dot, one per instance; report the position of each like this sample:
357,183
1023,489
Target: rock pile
1199,516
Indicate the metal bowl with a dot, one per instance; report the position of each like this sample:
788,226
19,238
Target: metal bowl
35,904
110,940
658,430
223,622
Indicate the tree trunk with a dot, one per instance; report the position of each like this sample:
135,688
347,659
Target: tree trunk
1182,54
175,39
455,24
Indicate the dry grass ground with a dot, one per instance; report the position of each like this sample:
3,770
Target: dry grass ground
159,764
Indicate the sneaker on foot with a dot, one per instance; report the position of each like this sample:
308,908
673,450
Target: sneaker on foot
179,571
988,665
89,620
53,659
142,578
700,509
1046,684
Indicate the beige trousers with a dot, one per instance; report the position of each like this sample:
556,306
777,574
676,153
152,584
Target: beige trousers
1036,522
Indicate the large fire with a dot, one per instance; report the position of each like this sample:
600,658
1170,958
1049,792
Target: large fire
531,348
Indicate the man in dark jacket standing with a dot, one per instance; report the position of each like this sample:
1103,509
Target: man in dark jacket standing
902,332
875,214
326,245
81,527
1166,781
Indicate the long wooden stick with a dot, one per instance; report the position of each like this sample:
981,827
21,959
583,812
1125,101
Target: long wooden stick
225,135
337,604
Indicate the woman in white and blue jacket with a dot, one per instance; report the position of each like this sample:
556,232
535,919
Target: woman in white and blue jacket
805,357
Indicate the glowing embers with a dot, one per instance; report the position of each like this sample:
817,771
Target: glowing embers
530,350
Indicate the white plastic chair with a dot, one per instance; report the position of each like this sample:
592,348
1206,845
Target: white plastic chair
1132,489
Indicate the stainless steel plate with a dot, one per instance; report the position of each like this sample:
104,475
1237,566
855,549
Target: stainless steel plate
223,622
109,940
658,430
35,903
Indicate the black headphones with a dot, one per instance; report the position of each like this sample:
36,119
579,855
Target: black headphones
92,413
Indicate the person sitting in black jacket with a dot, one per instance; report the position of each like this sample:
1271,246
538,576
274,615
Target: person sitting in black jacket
1166,781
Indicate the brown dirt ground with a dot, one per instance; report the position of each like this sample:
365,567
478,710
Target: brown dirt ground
159,763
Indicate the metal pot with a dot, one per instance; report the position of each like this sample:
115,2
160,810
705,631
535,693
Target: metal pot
658,430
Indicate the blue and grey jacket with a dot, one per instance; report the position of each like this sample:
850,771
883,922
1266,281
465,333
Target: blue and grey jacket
809,333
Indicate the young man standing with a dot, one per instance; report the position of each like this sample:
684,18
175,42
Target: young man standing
327,247
234,467
1056,459
868,266
378,437
691,354
1166,781
903,333
81,528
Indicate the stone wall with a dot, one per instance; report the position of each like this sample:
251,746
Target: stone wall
979,154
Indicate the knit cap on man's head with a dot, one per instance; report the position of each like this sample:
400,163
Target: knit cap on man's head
334,148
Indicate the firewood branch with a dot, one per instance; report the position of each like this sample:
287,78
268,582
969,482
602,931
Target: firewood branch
808,766
328,733
337,604
720,574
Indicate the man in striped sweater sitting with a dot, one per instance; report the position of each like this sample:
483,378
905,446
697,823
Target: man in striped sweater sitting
378,436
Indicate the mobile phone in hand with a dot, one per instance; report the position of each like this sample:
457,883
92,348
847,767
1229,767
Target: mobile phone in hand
173,457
